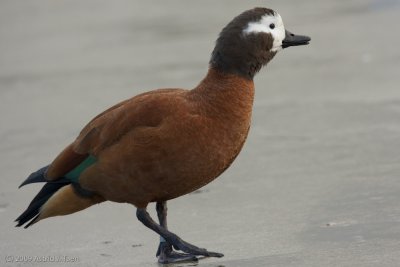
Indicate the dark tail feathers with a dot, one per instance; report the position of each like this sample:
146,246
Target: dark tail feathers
32,212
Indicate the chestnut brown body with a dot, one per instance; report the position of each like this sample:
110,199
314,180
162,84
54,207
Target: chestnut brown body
165,143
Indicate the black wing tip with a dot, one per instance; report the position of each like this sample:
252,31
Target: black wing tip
30,223
31,214
33,221
36,177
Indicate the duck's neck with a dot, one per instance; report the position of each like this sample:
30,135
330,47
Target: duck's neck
224,92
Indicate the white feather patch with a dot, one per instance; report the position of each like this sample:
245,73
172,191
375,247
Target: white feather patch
263,25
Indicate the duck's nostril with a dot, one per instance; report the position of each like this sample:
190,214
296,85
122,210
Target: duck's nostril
291,34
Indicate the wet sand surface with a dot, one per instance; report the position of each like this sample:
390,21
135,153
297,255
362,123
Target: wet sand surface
317,183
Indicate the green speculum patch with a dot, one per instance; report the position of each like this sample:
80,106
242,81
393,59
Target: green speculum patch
76,172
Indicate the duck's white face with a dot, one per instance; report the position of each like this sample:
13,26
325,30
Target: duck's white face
270,24
250,41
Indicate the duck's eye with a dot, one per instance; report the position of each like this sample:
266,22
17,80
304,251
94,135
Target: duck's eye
272,26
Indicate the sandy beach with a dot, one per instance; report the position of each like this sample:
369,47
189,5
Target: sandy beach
317,183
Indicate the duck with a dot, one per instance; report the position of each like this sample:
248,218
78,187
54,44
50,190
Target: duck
165,143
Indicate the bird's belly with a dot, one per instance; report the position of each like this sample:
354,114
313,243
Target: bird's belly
168,167
192,168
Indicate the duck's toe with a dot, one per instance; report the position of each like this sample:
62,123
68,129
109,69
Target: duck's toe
215,254
184,246
175,257
167,255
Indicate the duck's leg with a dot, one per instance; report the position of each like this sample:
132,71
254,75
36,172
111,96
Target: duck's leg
172,238
165,252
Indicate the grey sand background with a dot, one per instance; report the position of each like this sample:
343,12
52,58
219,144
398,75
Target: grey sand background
317,183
